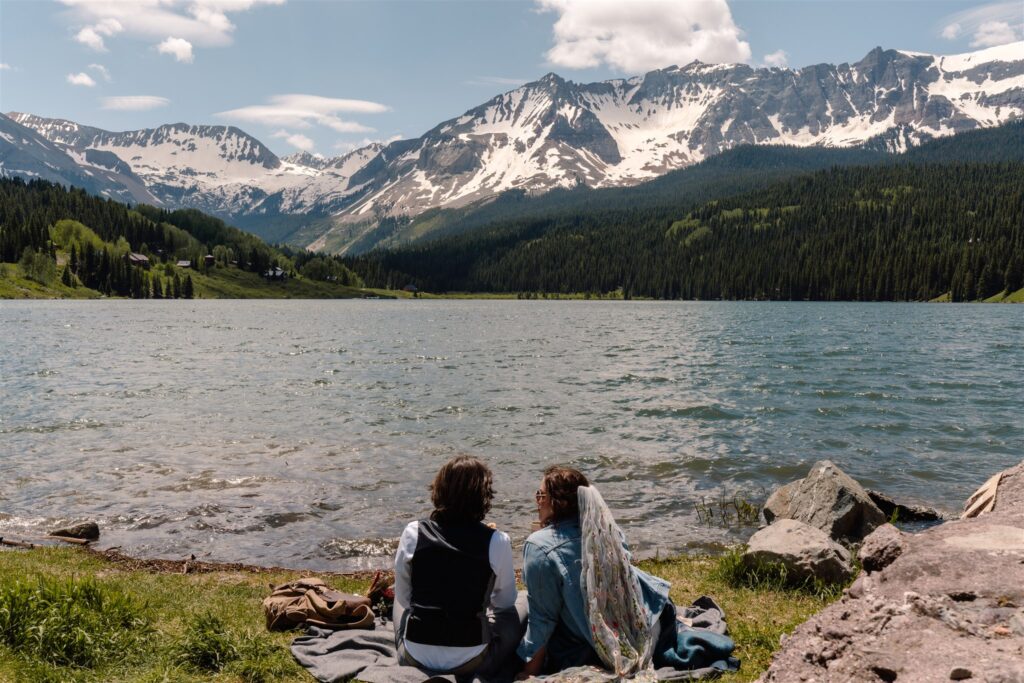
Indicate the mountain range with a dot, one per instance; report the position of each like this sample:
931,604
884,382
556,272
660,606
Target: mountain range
551,133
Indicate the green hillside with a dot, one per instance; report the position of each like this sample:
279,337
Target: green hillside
63,243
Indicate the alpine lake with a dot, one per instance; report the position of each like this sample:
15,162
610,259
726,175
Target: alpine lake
306,433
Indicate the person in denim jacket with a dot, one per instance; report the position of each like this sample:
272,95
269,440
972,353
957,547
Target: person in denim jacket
558,634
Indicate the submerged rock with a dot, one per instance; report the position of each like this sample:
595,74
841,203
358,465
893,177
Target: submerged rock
805,552
86,531
828,499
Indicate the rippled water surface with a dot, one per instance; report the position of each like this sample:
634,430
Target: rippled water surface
304,433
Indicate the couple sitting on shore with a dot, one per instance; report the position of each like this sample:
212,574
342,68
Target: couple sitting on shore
457,610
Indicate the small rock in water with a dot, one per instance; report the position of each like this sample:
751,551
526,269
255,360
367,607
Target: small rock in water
904,513
960,673
86,531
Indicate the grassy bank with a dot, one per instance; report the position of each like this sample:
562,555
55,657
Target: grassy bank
217,283
71,615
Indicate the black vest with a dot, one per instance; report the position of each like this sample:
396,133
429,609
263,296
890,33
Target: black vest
452,582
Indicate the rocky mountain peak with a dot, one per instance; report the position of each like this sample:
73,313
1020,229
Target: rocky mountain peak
553,133
317,161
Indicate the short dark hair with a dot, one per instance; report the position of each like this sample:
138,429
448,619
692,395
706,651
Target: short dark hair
462,491
561,484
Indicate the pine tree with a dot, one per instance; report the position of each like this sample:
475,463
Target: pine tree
187,290
1013,279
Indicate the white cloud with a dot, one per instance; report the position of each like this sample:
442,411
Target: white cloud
135,102
4,66
996,23
642,35
779,59
993,33
304,111
179,48
102,71
200,22
497,80
296,140
951,32
82,79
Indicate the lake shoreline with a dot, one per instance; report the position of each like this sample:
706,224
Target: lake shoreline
225,284
170,602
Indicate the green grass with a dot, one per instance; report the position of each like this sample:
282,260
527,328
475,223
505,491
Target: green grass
1001,298
1015,298
1006,298
69,622
14,285
399,294
147,627
232,283
759,606
218,283
178,614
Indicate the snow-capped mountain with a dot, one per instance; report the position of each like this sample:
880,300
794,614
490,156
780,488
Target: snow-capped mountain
219,169
556,133
26,154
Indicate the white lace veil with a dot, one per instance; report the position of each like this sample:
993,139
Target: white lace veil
618,619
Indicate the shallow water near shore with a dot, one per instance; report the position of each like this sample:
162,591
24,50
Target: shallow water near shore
305,433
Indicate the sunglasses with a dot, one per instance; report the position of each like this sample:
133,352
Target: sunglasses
540,495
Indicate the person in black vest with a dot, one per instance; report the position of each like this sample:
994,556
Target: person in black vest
456,607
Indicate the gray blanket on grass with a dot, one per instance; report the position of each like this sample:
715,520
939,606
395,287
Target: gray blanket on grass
370,655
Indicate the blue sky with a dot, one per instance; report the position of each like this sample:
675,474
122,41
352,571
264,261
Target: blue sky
328,75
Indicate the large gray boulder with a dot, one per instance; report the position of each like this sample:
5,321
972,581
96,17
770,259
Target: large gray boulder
805,552
949,606
828,499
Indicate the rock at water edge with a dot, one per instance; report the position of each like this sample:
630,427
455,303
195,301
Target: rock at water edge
805,552
86,531
828,499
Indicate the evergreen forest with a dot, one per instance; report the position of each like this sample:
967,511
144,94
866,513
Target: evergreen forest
53,232
893,232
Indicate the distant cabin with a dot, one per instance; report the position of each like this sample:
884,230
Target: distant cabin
275,273
210,260
134,259
411,288
184,264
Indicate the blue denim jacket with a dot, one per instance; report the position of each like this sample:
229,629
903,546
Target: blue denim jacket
558,613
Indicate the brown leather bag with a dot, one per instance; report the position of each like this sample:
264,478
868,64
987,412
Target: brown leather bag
311,601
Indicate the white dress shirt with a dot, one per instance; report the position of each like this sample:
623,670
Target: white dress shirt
440,657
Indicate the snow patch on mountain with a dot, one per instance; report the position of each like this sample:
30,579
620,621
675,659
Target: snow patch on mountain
556,133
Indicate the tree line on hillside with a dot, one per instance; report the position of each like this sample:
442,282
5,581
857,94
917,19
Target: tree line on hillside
38,219
896,232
